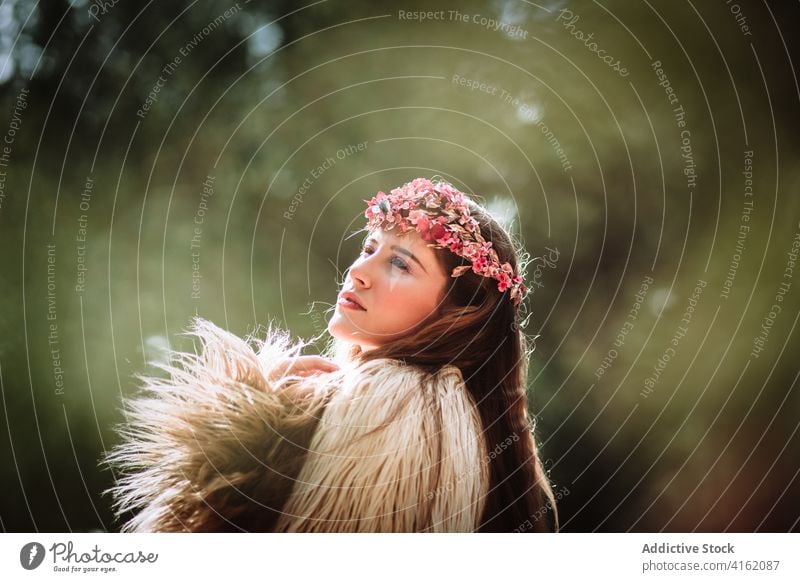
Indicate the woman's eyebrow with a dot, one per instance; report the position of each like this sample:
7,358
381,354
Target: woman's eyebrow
399,249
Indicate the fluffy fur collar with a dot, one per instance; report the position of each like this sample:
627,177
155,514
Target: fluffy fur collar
216,445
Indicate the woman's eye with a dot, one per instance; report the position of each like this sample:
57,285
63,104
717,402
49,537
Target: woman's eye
395,260
400,263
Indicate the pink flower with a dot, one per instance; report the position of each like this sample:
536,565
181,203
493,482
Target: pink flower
504,281
479,265
424,225
438,231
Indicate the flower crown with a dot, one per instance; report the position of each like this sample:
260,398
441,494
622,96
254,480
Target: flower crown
441,215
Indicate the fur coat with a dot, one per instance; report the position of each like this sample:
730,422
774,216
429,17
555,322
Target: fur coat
221,442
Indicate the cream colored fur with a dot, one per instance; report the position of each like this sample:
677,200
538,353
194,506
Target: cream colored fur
218,446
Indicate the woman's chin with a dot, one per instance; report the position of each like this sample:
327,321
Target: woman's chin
341,329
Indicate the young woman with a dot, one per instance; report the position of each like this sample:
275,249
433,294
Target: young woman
417,420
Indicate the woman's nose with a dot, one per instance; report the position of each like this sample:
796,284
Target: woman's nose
360,276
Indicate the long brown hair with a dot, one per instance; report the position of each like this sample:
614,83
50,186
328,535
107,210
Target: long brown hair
478,329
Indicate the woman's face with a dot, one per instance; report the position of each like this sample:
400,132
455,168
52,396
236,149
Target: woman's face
391,288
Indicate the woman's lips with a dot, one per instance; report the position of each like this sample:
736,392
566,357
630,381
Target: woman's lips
347,301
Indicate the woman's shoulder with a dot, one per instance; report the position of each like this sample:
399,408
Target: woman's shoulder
380,391
388,377
398,448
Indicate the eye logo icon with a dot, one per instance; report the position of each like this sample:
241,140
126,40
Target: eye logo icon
31,555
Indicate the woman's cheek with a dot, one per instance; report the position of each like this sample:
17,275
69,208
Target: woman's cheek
394,309
393,302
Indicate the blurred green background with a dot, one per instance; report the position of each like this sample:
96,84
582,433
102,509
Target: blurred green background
168,159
